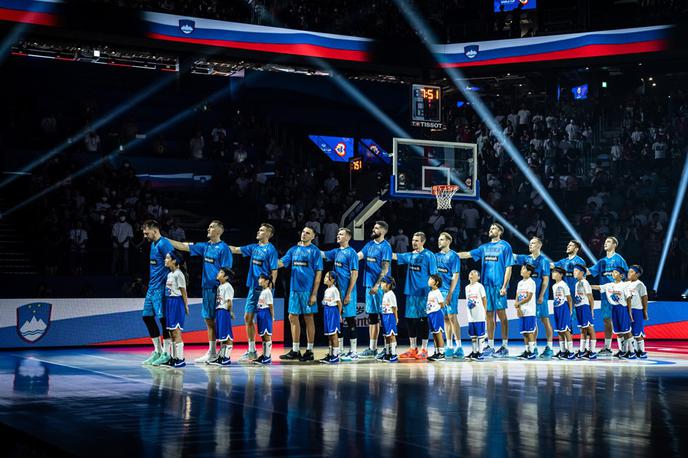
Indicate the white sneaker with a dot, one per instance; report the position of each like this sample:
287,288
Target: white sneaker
205,358
249,356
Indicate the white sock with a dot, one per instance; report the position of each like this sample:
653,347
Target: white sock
632,346
336,351
393,348
562,345
569,345
593,345
505,343
341,345
481,344
474,345
388,347
167,345
620,342
490,343
295,347
582,344
309,346
251,345
424,344
414,341
223,350
330,350
373,345
267,348
441,350
211,347
157,345
550,344
179,350
641,345
608,343
353,343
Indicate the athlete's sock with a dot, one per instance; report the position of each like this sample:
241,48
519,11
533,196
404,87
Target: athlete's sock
336,351
641,345
620,341
481,344
295,347
490,343
505,343
608,343
562,345
424,344
531,347
330,351
341,345
167,345
267,351
582,344
393,348
251,346
550,344
179,350
157,344
353,343
373,345
474,344
457,342
632,344
309,346
441,350
569,345
211,347
593,345
414,341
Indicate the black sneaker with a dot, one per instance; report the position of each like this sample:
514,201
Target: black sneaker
619,354
523,355
169,363
307,356
559,354
326,359
436,357
471,355
605,352
291,356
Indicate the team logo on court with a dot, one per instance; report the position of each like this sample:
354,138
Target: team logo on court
471,51
33,321
340,149
187,26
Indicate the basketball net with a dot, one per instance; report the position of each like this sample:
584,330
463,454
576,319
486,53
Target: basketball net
444,194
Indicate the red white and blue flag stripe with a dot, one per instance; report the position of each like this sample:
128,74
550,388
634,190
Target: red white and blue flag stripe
38,12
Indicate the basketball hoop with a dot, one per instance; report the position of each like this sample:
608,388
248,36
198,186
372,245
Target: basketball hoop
444,194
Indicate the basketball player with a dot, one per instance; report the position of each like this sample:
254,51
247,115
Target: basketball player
263,261
306,265
603,268
421,265
152,304
541,278
496,256
448,268
378,256
216,255
346,272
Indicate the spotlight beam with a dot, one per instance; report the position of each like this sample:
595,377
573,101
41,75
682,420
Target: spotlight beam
678,202
428,38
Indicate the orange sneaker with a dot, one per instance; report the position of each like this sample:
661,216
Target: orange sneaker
423,354
412,353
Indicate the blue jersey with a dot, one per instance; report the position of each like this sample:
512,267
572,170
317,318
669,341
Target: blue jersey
604,267
542,269
568,264
263,261
305,261
420,266
448,264
496,257
215,256
158,271
345,262
375,254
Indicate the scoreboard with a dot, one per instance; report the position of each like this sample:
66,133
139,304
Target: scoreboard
426,106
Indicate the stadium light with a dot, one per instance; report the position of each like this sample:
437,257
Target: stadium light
678,202
428,37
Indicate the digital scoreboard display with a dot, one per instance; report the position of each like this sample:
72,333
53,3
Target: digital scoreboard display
426,106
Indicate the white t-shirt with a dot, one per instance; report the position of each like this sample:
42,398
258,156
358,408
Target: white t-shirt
225,292
389,302
331,296
435,300
617,293
474,301
582,290
175,281
524,287
265,298
559,292
637,290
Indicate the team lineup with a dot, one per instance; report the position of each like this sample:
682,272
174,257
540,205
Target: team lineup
431,290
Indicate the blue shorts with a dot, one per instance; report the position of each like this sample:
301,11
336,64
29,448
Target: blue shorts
606,308
494,300
223,325
542,310
528,324
331,320
153,303
251,304
584,316
415,307
349,310
373,301
453,307
436,322
264,321
174,312
621,320
562,318
638,325
389,325
476,329
209,303
298,304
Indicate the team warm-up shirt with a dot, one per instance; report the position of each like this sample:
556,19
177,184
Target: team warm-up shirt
582,290
420,266
225,292
637,290
175,281
524,287
331,297
474,301
265,298
434,302
568,264
448,264
606,265
305,262
496,257
617,293
559,292
542,269
345,262
215,256
375,254
158,271
263,261
389,302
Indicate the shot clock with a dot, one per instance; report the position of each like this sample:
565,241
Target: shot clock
426,106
